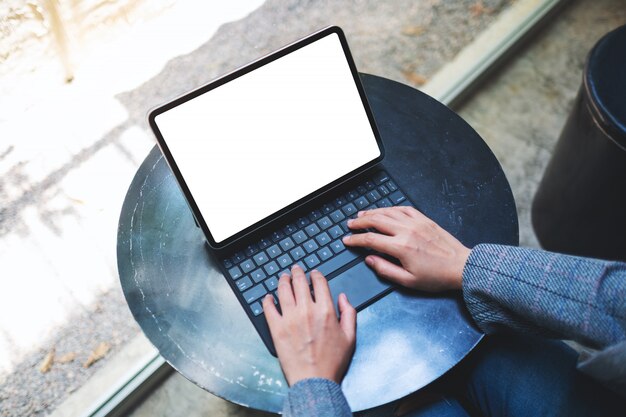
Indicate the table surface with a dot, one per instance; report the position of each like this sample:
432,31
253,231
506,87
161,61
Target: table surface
405,341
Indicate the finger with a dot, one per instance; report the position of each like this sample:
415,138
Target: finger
271,313
348,317
393,212
376,241
285,293
390,271
411,212
379,221
321,290
300,286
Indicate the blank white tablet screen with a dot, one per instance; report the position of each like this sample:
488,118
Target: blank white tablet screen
256,144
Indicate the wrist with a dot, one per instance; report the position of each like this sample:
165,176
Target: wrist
313,374
462,256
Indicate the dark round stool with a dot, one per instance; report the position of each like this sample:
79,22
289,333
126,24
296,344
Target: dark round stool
580,206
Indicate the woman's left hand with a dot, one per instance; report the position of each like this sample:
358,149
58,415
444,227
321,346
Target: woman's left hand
309,339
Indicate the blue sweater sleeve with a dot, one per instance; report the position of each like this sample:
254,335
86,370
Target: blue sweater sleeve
316,397
547,293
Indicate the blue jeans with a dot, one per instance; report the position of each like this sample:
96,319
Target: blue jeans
520,376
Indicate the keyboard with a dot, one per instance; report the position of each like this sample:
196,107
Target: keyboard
313,241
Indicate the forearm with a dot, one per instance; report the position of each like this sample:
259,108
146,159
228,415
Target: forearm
545,293
316,397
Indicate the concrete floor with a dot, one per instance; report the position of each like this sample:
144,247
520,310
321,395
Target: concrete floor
519,112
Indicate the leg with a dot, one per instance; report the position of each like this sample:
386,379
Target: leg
518,375
443,406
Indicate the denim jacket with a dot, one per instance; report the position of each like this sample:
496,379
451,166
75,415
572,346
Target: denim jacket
530,291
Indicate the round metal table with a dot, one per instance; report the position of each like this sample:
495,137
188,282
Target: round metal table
405,341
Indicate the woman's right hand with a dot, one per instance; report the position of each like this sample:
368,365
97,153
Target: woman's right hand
431,258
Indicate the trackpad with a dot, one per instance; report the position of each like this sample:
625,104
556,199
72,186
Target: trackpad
359,283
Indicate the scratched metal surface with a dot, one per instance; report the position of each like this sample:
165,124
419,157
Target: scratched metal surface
405,341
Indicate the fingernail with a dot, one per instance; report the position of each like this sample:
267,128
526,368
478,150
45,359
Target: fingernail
350,222
360,213
346,239
268,296
296,266
369,261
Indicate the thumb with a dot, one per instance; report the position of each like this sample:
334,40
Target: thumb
348,317
389,270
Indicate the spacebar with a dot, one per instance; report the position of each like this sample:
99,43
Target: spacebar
337,262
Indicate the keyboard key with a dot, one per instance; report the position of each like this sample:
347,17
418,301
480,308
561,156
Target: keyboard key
349,209
361,203
344,225
260,258
327,208
299,236
325,253
289,229
352,194
303,266
244,283
324,223
258,275
277,236
287,244
310,246
323,239
361,189
406,203
274,251
298,253
238,257
391,185
337,262
312,261
337,246
340,201
283,272
271,268
227,263
373,196
337,216
235,272
284,261
397,197
265,242
369,185
247,265
381,177
312,230
254,293
384,203
251,250
271,283
383,190
302,222
335,232
315,215
256,308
